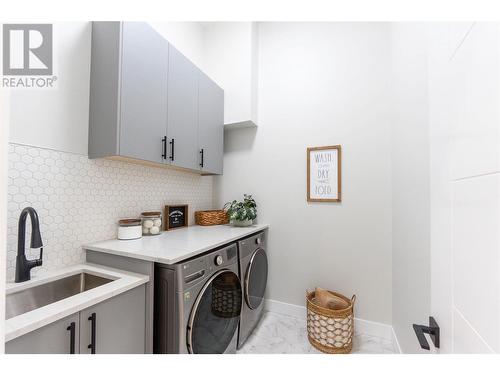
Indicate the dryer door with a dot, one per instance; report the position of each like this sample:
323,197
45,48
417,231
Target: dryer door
256,279
215,315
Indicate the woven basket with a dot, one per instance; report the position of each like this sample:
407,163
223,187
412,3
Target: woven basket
226,299
213,217
328,330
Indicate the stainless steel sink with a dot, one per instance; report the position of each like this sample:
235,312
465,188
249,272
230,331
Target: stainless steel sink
41,295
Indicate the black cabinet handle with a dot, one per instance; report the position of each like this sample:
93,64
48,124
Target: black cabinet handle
432,330
91,346
71,328
164,147
201,152
172,142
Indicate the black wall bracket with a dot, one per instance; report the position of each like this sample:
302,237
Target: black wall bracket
432,330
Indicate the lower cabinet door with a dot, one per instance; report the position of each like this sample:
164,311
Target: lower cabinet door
60,337
115,326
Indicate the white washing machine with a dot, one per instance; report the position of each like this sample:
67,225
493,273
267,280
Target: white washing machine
253,268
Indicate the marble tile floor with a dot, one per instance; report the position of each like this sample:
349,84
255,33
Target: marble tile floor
283,334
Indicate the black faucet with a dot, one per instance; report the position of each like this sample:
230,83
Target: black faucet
23,265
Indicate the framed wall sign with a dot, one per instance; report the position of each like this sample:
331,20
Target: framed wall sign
176,216
323,174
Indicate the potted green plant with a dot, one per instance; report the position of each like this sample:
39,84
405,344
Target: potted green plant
242,214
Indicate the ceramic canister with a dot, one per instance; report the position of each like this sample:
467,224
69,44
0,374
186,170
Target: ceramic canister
129,229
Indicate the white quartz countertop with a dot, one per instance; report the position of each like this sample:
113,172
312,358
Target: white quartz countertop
176,245
32,320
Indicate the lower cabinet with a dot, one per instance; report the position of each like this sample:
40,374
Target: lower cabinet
111,327
114,326
56,338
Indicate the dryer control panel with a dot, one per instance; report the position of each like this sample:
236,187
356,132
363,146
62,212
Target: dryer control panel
248,245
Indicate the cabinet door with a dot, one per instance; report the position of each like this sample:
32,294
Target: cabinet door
115,326
182,127
143,104
60,337
210,125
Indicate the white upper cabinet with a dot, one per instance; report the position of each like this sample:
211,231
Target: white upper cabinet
231,59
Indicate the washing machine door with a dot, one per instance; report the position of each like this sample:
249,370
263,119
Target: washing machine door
256,279
215,315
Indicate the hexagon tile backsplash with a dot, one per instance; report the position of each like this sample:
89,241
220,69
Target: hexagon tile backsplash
80,200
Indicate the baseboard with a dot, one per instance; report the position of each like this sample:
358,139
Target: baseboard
285,308
366,327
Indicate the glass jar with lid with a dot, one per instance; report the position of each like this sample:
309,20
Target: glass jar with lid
151,223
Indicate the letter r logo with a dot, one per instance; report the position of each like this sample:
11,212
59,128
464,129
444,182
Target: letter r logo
27,49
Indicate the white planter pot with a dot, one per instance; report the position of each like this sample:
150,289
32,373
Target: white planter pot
242,223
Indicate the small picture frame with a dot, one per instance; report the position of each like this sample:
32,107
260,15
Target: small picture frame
324,174
176,216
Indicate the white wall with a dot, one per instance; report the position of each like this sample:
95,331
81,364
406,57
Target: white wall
410,183
57,119
187,37
465,144
320,84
